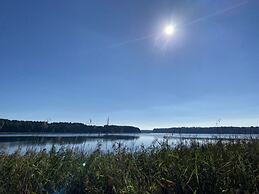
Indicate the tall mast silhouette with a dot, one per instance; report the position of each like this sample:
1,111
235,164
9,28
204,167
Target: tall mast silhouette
108,121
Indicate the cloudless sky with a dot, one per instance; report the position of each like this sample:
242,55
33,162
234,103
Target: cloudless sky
76,60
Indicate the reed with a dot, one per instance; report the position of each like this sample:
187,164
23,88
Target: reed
221,167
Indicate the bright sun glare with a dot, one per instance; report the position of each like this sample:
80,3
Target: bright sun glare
169,30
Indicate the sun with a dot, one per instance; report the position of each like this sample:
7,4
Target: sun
169,30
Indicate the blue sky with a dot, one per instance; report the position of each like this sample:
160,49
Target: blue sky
76,60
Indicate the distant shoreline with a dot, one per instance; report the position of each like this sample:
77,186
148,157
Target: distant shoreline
209,130
15,126
41,127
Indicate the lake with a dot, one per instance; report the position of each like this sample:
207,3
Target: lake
9,143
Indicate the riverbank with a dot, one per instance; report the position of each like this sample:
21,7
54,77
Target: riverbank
209,168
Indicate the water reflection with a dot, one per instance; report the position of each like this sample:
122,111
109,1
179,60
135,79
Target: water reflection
9,143
66,138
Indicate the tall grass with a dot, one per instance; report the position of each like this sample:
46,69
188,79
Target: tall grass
222,167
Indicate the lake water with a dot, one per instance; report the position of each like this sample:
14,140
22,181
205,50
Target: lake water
9,143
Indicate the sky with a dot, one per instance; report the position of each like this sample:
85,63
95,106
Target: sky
79,60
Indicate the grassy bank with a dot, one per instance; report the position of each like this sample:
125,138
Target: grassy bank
231,167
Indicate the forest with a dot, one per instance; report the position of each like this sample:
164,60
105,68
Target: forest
209,130
14,126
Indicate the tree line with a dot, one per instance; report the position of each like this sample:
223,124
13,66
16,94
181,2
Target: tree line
209,130
15,126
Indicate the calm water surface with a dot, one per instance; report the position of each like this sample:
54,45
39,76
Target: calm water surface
9,143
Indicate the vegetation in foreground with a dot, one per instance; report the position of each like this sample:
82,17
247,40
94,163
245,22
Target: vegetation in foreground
220,167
